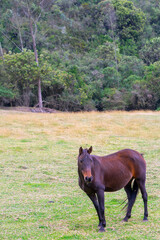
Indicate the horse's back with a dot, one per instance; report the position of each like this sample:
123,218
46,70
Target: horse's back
124,156
126,160
129,156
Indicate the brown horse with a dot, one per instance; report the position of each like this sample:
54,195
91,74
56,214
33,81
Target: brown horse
111,173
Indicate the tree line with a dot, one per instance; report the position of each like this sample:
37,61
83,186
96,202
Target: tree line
80,54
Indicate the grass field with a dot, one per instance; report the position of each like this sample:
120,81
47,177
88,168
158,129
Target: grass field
39,193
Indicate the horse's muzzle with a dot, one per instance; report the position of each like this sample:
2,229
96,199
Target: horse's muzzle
88,179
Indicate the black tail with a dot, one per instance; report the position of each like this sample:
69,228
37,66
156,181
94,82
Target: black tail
135,189
132,196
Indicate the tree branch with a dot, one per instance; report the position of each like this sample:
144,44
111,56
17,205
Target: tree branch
11,40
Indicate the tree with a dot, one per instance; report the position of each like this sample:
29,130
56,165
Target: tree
32,10
111,77
21,73
150,53
17,22
108,16
6,95
131,65
68,91
130,20
152,80
91,47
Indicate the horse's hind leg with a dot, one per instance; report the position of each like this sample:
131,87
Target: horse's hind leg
131,195
141,184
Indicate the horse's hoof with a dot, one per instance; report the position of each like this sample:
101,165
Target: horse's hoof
145,220
101,229
124,220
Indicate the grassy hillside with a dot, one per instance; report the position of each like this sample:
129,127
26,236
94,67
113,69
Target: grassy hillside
40,196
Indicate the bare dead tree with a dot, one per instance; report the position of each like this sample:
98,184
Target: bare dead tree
18,25
109,18
26,7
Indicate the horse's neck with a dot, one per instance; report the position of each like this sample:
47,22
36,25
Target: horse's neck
96,162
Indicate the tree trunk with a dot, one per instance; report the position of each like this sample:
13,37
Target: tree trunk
1,50
26,97
40,94
19,29
113,37
40,102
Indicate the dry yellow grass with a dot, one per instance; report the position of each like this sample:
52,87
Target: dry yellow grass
72,125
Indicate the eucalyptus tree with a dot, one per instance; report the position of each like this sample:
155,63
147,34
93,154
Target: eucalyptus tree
109,19
31,12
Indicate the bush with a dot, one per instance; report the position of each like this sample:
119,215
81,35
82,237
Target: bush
140,98
113,100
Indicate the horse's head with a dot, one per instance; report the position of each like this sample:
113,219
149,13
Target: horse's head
85,164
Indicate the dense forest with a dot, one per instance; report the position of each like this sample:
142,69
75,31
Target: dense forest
75,55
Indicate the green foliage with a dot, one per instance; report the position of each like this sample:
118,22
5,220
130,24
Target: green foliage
92,54
130,20
111,77
113,99
130,66
70,91
150,53
22,73
130,81
152,79
129,47
140,97
106,53
6,93
155,17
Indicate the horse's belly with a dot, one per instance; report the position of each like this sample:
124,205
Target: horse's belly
116,182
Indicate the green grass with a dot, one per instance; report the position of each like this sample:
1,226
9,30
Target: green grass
39,193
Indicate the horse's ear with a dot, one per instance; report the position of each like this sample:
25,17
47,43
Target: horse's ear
90,150
80,151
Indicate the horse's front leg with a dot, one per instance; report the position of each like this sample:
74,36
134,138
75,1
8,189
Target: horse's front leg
94,200
100,195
